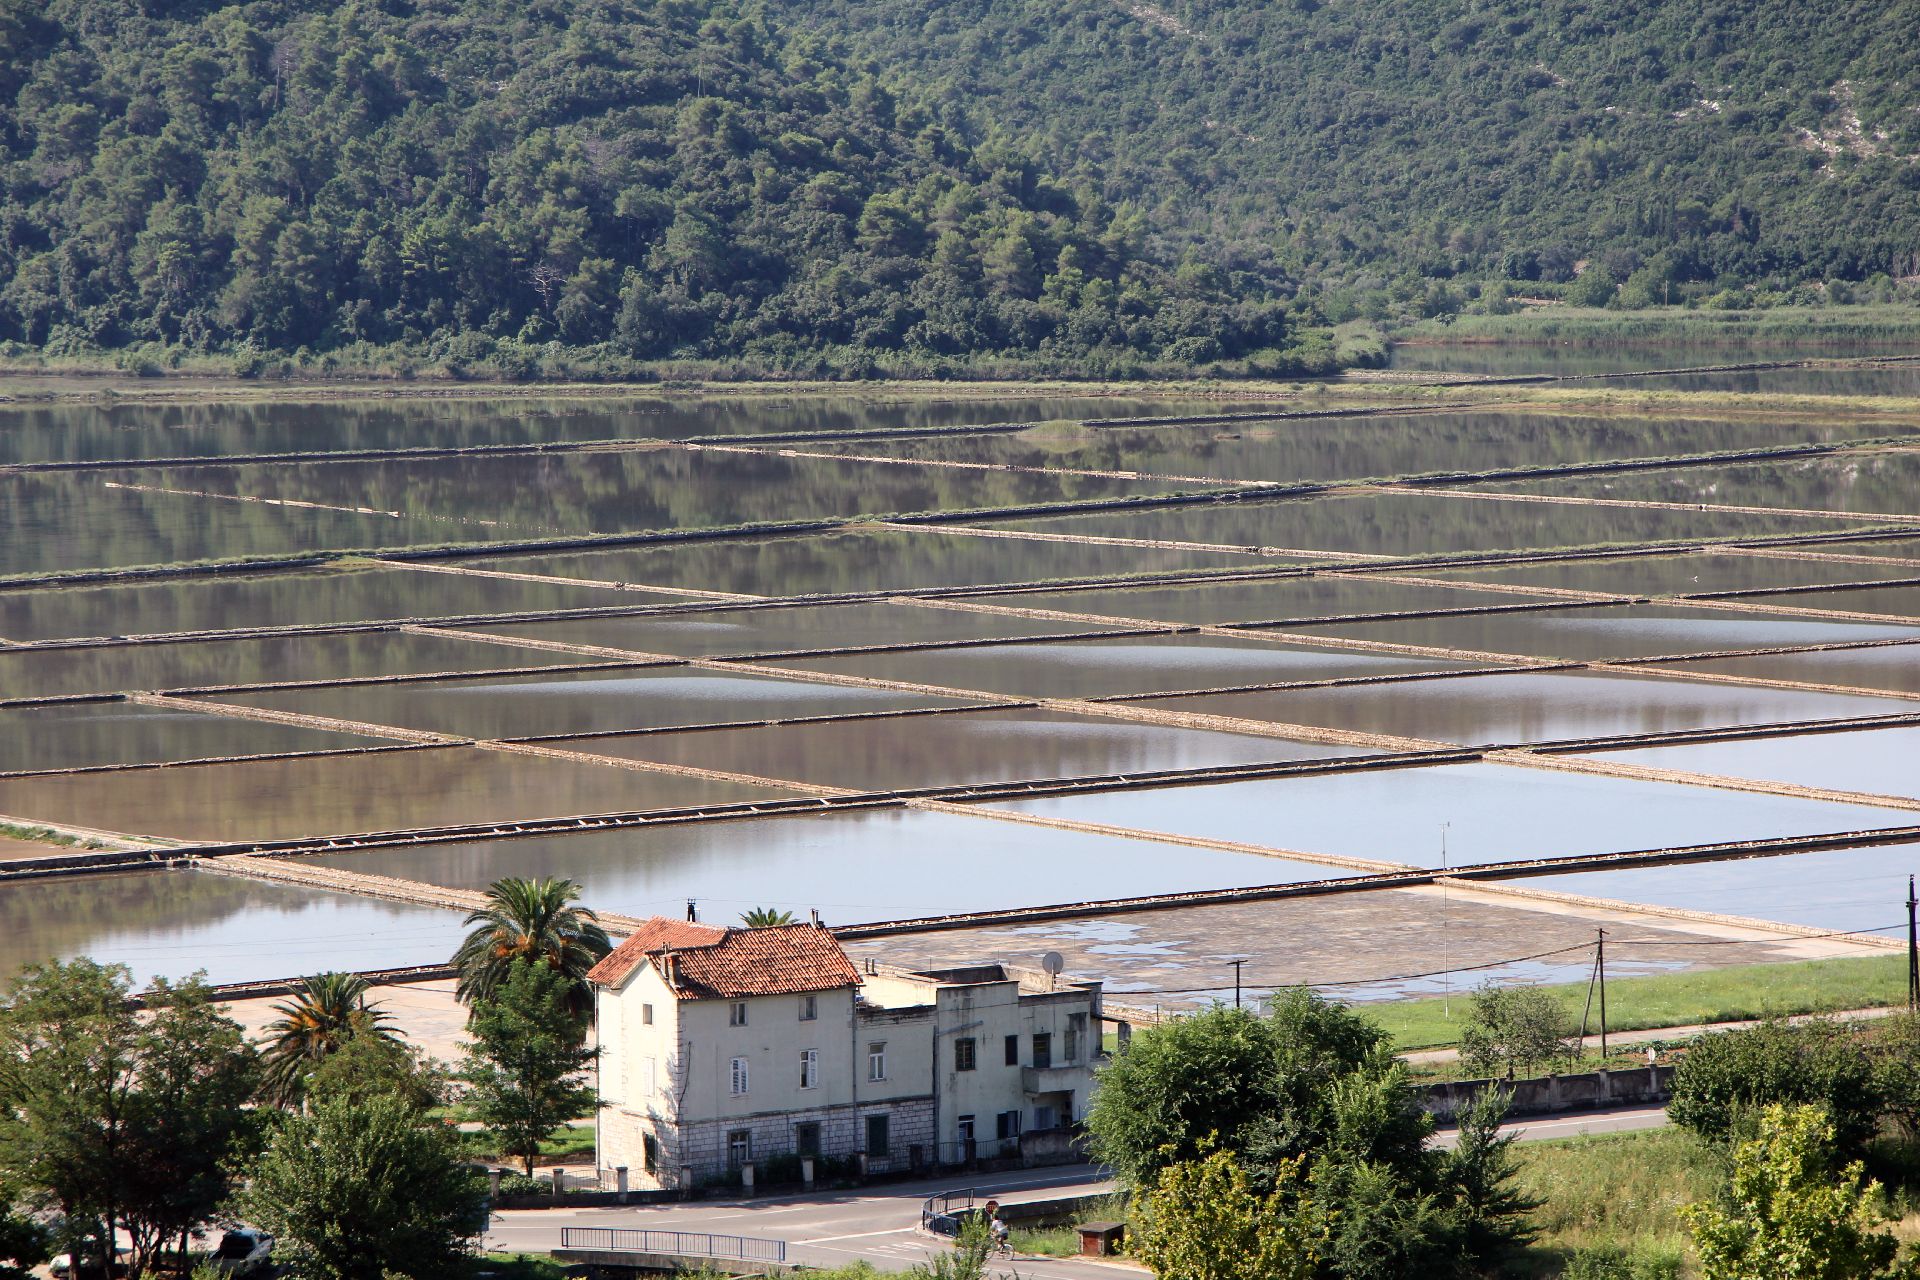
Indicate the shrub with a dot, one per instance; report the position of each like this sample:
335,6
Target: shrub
1726,1078
1512,1028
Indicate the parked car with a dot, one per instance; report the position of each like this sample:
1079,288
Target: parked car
242,1251
63,1268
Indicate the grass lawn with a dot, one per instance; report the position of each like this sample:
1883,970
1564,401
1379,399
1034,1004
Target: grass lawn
575,1142
1614,1192
1046,1242
1681,999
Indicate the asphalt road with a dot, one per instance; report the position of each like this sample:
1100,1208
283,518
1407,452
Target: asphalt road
881,1224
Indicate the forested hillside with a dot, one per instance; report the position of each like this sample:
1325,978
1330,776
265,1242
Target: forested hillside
1342,141
476,179
854,186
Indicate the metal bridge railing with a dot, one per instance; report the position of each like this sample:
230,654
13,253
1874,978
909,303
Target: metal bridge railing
686,1244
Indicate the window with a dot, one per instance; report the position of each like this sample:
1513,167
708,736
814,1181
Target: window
650,1153
739,1077
1042,1049
739,1147
1013,1051
1006,1126
809,1068
963,1130
646,1015
737,1014
879,1137
809,1008
649,1078
1076,1032
963,1054
806,1138
877,1060
1043,1117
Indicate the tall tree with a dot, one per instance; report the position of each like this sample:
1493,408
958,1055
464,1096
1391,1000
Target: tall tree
524,1070
531,922
327,1011
1310,1094
359,1190
122,1123
197,1075
765,917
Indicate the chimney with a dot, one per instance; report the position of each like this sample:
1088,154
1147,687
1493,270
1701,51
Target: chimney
816,919
693,912
670,967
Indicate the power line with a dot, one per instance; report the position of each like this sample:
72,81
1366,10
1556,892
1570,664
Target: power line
1615,943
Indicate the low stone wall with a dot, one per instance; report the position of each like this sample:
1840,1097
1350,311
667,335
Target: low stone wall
1039,1148
1550,1095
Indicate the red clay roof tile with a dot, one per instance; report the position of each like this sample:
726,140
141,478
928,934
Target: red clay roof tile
710,963
656,934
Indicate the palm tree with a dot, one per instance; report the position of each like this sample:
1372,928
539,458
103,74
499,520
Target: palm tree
531,921
765,918
327,1010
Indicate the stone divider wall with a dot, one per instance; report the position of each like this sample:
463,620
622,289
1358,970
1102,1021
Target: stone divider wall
1551,1095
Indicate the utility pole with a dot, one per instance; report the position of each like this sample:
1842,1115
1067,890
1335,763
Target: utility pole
1600,967
1446,947
1236,982
1913,954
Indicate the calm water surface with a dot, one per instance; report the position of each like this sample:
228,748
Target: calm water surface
1145,664
172,923
1407,524
1844,890
1351,448
880,560
1534,707
1878,761
963,747
852,866
339,795
592,701
87,432
28,673
1490,813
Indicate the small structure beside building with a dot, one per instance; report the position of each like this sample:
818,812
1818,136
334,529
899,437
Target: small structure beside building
731,1051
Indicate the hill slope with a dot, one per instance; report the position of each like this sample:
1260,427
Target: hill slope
473,179
1334,140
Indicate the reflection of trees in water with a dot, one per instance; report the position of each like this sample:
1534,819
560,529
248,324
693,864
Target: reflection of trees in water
1657,575
271,599
51,523
1413,524
60,737
90,432
268,798
77,914
29,673
1351,448
828,563
649,489
1860,482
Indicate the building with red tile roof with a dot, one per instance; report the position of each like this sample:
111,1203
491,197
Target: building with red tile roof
723,1048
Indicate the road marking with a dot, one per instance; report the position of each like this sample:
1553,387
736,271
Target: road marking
858,1235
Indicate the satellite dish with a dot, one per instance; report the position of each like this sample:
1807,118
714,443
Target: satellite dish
1053,962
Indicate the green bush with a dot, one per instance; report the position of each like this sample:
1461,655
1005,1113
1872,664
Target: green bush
1726,1079
1609,1262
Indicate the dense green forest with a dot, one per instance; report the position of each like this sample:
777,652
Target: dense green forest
1736,142
858,186
475,179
